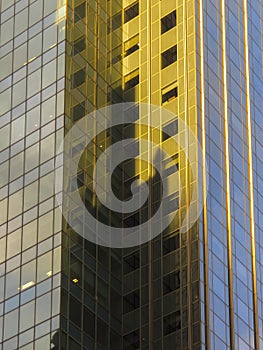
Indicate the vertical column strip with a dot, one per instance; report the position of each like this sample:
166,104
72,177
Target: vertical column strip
187,183
149,78
250,178
227,178
204,180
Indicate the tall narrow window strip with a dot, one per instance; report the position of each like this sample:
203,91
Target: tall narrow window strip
80,12
116,21
79,78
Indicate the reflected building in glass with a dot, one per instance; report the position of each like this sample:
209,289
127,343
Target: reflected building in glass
201,60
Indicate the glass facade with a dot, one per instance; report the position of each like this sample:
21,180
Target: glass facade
32,127
230,33
59,61
141,297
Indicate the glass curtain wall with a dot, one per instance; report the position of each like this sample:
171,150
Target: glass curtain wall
32,117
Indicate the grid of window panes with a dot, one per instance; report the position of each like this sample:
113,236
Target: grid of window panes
114,299
106,288
243,309
255,31
239,169
91,275
32,107
216,225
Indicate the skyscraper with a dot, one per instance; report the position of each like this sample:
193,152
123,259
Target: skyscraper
61,60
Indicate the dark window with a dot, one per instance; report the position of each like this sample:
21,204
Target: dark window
131,262
168,22
132,49
132,340
116,54
132,221
78,78
115,340
114,95
170,95
79,45
73,345
89,322
89,281
171,323
131,12
116,21
173,168
131,301
80,12
102,292
75,266
171,282
77,112
170,244
173,199
75,311
116,303
131,45
102,333
116,59
132,82
169,56
170,129
80,178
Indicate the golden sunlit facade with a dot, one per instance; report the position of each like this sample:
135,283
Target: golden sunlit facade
145,52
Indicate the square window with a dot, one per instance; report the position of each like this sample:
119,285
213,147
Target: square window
78,78
77,112
131,12
170,95
169,56
168,22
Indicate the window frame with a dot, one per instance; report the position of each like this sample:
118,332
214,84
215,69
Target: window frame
168,57
131,12
164,27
